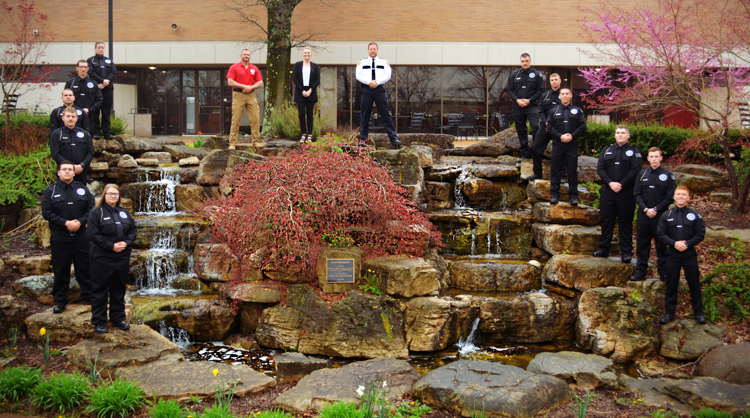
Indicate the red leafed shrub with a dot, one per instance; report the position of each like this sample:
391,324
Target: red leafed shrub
284,212
23,138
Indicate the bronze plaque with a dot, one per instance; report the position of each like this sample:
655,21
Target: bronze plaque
340,270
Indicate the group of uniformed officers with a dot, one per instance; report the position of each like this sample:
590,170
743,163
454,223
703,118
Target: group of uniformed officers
675,231
75,222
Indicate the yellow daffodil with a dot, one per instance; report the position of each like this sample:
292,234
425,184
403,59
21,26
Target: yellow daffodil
42,331
216,371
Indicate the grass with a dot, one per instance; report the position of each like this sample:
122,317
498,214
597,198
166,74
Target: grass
62,392
117,399
17,382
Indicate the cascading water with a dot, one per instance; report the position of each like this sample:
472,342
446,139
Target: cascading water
461,180
467,346
157,197
176,335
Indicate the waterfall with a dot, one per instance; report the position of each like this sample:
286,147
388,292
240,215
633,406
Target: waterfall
467,346
458,196
177,335
157,197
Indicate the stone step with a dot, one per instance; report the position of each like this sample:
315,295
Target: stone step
494,275
183,229
468,232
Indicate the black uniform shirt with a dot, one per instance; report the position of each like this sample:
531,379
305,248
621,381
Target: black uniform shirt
102,68
56,122
87,92
103,231
654,189
525,84
566,120
62,202
549,100
74,145
626,157
678,224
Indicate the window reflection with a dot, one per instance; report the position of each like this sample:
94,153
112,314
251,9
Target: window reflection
419,91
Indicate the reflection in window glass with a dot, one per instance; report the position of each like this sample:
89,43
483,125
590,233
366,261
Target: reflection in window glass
499,100
464,90
419,91
344,95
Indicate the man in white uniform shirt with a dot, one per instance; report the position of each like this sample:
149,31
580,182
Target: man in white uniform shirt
373,72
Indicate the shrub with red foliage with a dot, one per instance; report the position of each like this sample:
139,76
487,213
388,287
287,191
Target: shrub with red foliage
286,211
23,138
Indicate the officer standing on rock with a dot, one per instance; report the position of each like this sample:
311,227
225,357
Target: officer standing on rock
55,117
618,167
373,72
87,92
525,87
681,229
104,72
566,124
549,100
66,205
74,144
654,188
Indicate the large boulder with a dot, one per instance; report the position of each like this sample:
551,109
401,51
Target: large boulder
254,292
728,363
358,325
438,195
566,214
652,392
179,152
539,190
707,392
685,339
40,288
425,155
327,386
354,254
433,323
699,178
405,168
466,386
583,272
132,145
34,265
588,371
12,315
208,319
528,318
494,275
493,146
587,170
291,367
566,239
278,148
653,291
727,237
71,325
110,146
216,142
120,350
188,196
161,156
406,277
703,171
496,171
486,194
612,324
185,380
212,167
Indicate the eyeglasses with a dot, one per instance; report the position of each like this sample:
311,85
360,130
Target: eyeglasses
112,194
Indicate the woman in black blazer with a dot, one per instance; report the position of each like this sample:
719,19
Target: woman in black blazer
306,77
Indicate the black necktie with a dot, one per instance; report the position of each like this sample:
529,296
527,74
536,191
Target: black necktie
680,220
118,222
373,68
618,154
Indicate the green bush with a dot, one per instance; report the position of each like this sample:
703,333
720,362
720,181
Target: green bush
62,392
274,413
168,409
710,413
593,188
340,409
728,285
643,137
17,382
217,411
118,399
119,126
25,177
284,122
26,118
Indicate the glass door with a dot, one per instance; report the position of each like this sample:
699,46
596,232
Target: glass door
202,102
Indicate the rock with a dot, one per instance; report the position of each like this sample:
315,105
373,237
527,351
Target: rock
566,239
40,288
237,158
184,380
245,342
424,153
433,324
188,174
703,171
723,197
135,145
653,291
441,141
250,315
587,170
127,161
162,157
165,140
147,162
179,152
648,368
339,261
12,315
35,265
71,325
685,339
278,148
438,195
588,371
612,324
110,158
95,188
121,350
99,168
27,215
538,190
161,312
358,325
495,275
651,392
528,318
189,161
583,272
208,320
327,386
291,367
565,214
187,196
706,392
212,167
468,232
214,262
698,184
216,142
485,194
492,171
527,167
253,292
726,237
728,363
42,234
464,386
494,146
404,166
107,145
406,277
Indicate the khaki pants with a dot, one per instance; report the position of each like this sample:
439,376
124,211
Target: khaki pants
240,102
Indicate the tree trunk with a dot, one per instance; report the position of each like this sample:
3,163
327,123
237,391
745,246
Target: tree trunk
279,54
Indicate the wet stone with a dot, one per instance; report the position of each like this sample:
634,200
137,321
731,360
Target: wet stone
490,275
291,367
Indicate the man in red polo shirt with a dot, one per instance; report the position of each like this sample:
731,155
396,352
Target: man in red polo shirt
244,78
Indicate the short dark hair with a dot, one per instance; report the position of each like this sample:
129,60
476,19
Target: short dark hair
372,43
82,61
567,88
65,162
623,127
655,149
525,55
